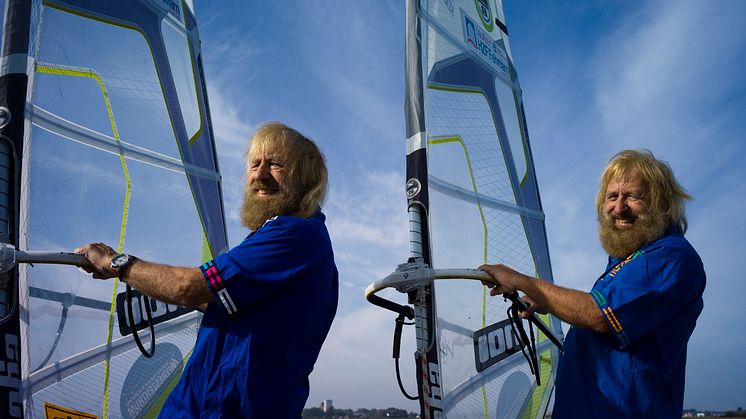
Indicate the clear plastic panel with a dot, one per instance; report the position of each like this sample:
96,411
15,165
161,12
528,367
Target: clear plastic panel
512,126
467,115
79,194
134,381
124,62
182,71
464,154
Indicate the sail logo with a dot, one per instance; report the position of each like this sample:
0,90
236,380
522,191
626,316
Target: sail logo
485,14
148,379
10,374
494,343
172,6
413,188
159,312
436,397
485,47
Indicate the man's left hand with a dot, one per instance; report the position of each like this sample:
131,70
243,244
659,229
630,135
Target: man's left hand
100,256
532,307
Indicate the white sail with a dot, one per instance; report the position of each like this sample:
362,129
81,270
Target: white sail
473,199
116,147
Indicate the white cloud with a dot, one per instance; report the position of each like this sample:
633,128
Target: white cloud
232,129
659,73
358,67
355,368
369,210
231,48
369,230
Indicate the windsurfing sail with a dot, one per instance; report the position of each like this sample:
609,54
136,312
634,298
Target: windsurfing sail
472,199
105,136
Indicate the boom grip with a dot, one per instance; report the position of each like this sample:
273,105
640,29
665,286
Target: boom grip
10,257
57,258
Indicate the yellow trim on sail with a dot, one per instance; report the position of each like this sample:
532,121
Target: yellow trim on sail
89,73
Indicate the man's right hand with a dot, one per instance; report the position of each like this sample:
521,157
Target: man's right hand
100,256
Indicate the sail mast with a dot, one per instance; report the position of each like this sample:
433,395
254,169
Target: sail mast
13,89
428,368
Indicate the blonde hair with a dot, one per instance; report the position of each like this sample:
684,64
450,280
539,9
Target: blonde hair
667,197
306,162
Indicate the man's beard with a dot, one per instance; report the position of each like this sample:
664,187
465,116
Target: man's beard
256,209
621,243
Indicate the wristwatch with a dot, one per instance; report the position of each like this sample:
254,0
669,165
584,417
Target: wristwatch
120,262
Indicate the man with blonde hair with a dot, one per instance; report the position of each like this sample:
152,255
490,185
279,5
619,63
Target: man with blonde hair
625,354
269,302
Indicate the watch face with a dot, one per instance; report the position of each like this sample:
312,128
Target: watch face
119,260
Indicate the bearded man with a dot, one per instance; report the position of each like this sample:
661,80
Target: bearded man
625,353
269,302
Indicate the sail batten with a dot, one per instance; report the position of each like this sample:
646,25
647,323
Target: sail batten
467,195
60,126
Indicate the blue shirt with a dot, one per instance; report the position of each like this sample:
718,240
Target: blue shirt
275,298
651,302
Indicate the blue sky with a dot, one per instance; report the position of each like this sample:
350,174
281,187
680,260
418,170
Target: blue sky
597,77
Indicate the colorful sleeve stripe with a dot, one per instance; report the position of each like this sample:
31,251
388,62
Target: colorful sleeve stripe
612,319
210,272
216,284
600,300
615,324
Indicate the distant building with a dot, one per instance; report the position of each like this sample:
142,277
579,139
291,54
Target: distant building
326,405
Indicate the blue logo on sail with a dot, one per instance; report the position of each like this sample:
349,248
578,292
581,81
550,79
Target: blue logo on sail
486,47
173,6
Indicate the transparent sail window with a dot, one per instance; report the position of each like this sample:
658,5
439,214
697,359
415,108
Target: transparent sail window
96,87
122,60
510,119
177,49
